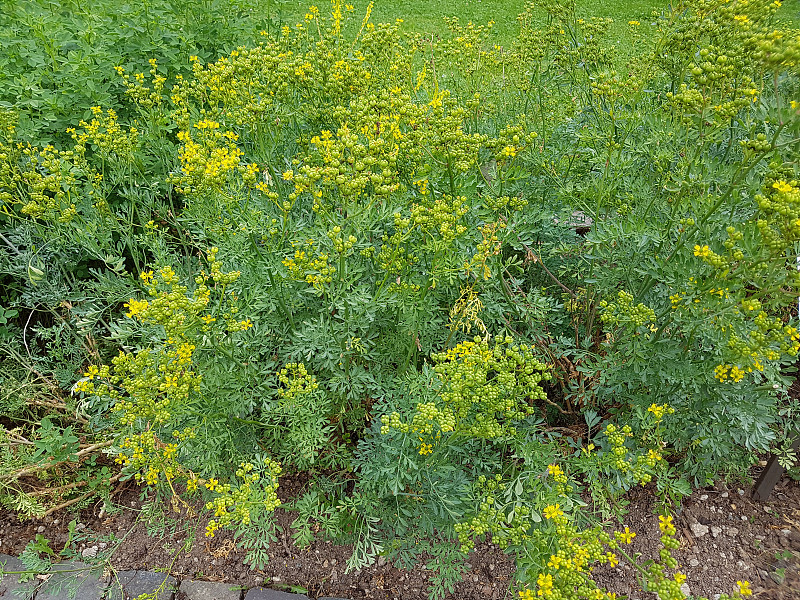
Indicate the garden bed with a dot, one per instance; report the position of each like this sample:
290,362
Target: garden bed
737,539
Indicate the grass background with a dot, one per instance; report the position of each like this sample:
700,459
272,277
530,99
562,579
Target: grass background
427,15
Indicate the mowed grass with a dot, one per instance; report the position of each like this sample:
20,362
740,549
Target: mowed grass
427,16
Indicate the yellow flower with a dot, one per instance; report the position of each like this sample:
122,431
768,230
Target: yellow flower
744,588
782,186
625,536
211,528
552,512
702,251
736,374
557,473
545,583
665,524
135,307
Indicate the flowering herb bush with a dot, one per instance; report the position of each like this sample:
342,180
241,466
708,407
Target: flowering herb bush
448,252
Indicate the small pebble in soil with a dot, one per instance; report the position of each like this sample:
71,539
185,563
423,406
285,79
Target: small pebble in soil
704,497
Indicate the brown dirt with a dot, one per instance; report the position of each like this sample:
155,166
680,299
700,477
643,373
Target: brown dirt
759,542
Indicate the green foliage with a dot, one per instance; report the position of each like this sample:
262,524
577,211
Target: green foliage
59,56
37,557
255,538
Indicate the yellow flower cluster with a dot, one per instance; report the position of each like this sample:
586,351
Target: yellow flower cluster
105,133
317,271
640,466
208,161
561,479
146,97
569,569
709,256
728,373
150,458
568,573
511,141
485,390
659,410
149,388
425,448
46,183
234,505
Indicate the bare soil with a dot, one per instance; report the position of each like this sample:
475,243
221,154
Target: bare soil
725,536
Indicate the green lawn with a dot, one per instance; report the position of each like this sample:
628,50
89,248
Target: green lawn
426,15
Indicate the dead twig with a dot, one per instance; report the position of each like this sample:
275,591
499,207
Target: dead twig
81,498
37,468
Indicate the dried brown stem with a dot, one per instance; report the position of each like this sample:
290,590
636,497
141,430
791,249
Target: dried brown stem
35,469
81,498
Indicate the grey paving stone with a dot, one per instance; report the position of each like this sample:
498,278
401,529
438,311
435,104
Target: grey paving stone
10,587
209,590
73,581
268,594
130,584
